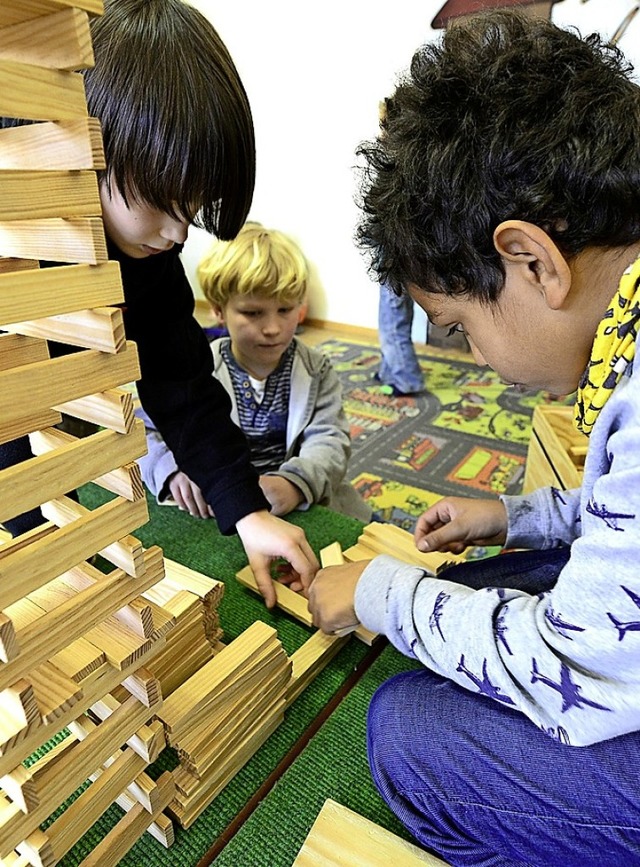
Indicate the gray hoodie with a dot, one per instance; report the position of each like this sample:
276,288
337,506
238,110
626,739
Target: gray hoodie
318,443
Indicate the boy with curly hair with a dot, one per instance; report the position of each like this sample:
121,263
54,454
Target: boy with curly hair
504,197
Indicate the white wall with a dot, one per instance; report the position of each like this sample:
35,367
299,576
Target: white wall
314,73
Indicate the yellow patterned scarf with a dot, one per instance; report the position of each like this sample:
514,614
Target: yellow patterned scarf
613,350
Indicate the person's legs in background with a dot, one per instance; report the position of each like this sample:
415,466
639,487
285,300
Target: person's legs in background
399,367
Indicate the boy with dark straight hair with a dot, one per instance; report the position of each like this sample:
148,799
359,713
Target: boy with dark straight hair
504,197
180,150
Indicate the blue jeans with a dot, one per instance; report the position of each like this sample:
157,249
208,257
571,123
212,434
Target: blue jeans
478,784
399,364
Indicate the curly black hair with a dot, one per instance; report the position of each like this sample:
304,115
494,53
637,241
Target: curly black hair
508,117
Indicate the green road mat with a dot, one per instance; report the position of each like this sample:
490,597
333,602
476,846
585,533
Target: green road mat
199,545
333,765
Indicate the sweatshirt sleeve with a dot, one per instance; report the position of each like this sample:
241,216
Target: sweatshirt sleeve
189,408
569,659
325,446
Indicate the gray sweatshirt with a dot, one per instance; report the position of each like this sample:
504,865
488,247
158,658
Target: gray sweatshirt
570,658
317,439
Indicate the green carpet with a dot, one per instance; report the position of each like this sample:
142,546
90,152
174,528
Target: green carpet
199,545
333,765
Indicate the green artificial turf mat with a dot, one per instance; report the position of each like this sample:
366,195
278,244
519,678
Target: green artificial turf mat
333,765
199,545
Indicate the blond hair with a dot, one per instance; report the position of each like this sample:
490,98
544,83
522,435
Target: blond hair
258,261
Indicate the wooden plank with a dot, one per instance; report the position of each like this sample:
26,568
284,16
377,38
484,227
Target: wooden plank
101,328
341,838
26,10
79,239
23,570
37,293
9,647
50,383
293,603
9,266
34,93
125,481
29,423
20,716
54,692
61,40
56,782
114,846
20,789
309,660
125,553
16,350
47,146
42,639
94,688
30,195
69,463
113,409
148,741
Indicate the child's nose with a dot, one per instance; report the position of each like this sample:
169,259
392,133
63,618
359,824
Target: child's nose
176,231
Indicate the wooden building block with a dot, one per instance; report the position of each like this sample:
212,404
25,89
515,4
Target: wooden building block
19,716
55,693
127,553
16,350
28,10
113,409
50,383
10,266
40,94
309,660
41,292
61,40
101,328
556,450
20,789
63,462
341,838
9,647
121,838
69,144
22,570
28,423
29,195
289,601
148,741
80,239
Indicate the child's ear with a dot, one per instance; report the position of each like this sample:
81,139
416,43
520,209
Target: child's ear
527,248
218,312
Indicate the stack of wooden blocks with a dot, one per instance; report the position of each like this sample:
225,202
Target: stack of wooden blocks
69,634
557,450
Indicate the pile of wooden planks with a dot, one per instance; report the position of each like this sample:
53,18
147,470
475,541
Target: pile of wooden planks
223,713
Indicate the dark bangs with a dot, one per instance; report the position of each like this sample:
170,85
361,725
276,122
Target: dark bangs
176,121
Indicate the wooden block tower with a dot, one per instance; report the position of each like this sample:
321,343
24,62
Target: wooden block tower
69,634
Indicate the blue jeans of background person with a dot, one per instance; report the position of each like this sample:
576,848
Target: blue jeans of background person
399,364
479,784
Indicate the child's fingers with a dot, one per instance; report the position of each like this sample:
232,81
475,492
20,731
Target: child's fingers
262,574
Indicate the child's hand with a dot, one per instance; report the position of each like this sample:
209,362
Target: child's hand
331,596
453,523
266,538
282,494
188,496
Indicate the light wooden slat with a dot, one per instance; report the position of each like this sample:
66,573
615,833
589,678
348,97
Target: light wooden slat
72,618
50,146
56,782
20,716
54,692
26,10
79,816
341,838
8,265
19,787
40,94
26,569
101,328
16,350
53,382
148,741
125,553
124,480
293,603
114,846
38,293
9,647
309,660
37,849
113,409
29,423
61,40
93,687
79,239
52,473
30,195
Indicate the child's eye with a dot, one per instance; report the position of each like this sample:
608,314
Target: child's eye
455,329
